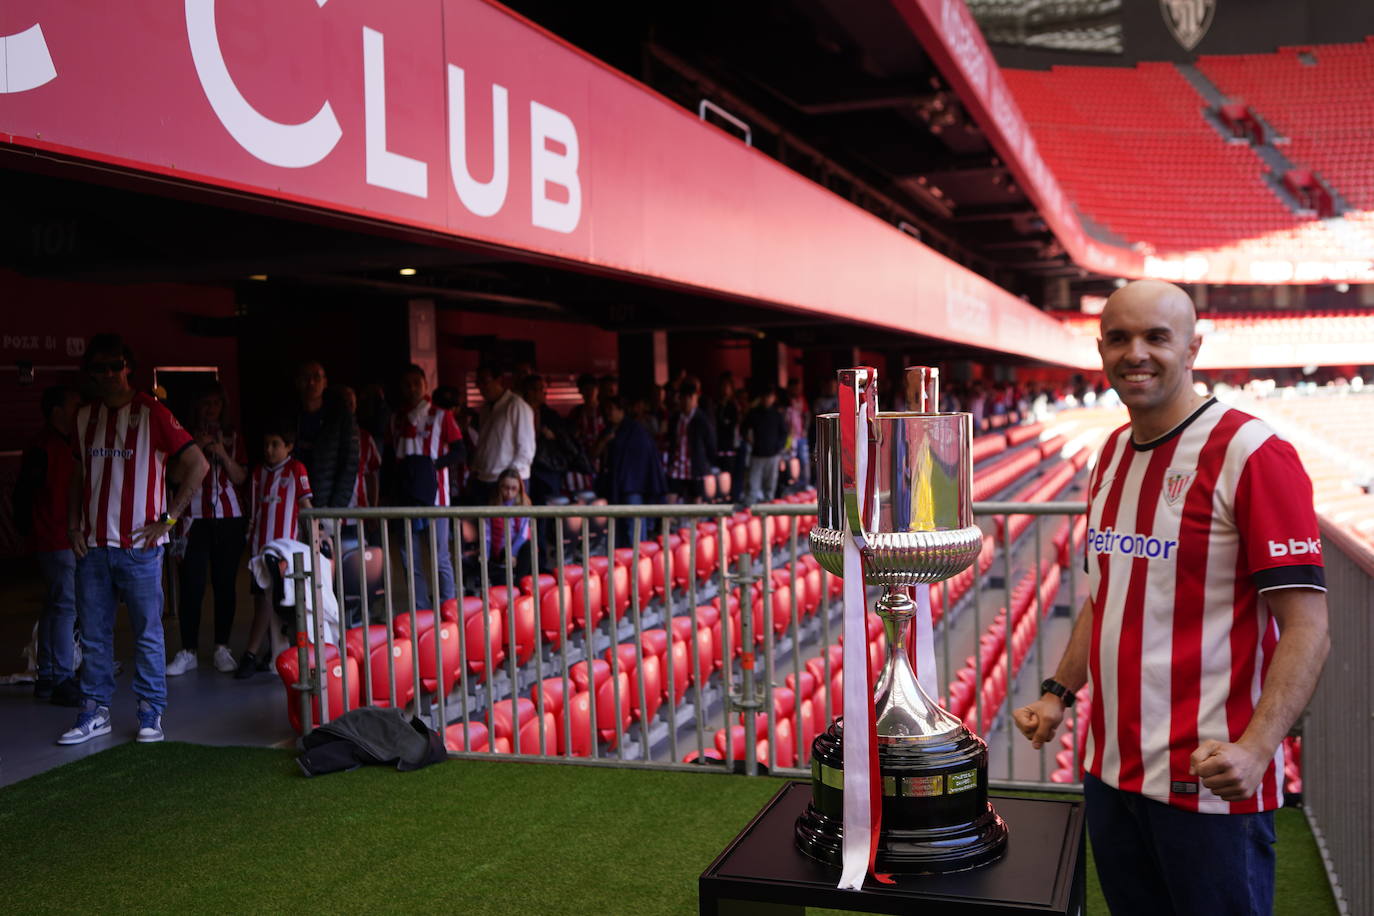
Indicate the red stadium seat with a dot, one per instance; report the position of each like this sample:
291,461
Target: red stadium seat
549,615
524,628
508,715
546,582
450,659
476,646
473,737
402,662
578,674
552,690
288,669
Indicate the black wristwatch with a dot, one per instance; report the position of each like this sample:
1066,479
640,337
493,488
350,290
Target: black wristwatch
1050,685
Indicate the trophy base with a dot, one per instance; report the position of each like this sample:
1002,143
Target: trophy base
936,817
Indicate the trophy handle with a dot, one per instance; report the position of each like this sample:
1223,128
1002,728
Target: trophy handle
923,389
858,398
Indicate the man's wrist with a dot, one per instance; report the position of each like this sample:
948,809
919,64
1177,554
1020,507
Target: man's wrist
1051,687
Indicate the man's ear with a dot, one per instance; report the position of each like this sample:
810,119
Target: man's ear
1193,346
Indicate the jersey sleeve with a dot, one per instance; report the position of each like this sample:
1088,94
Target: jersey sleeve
451,432
1281,545
168,435
302,483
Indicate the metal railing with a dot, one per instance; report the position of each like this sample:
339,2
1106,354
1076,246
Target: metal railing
559,632
1338,731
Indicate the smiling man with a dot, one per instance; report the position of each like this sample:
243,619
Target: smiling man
1203,633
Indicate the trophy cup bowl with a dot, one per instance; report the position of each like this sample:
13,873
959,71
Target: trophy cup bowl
919,530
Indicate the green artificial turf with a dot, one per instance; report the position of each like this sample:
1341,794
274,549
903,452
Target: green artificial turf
178,827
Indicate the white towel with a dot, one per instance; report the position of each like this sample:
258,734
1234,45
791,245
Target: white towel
281,554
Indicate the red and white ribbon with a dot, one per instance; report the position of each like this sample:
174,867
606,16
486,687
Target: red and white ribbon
862,785
923,630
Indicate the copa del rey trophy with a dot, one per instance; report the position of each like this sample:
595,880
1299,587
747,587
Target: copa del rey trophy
899,785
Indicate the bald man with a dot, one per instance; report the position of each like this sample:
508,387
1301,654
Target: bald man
1203,633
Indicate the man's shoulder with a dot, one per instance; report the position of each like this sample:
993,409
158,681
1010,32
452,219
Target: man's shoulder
144,401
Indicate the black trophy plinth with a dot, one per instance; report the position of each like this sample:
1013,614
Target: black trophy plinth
1042,871
935,812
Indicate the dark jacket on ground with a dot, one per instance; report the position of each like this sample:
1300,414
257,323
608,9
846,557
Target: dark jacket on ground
370,736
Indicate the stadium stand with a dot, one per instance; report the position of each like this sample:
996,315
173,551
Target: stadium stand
1334,434
1318,99
1132,149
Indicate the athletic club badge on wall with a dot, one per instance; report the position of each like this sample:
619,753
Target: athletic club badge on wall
1176,484
1188,20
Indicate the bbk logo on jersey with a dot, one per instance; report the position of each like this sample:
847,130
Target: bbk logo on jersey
1296,547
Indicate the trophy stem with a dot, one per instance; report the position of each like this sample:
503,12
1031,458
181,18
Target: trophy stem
903,709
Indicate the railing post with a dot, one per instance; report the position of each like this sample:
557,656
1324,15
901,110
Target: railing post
746,698
307,681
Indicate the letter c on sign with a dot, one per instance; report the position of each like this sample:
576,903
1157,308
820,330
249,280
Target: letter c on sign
291,146
24,61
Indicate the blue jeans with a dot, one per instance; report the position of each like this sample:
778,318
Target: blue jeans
1156,859
625,527
447,588
57,626
104,577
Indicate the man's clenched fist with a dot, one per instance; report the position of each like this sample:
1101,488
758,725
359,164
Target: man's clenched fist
1039,720
1232,771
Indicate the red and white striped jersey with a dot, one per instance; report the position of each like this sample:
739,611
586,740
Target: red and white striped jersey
278,492
124,454
1185,535
426,430
369,462
217,497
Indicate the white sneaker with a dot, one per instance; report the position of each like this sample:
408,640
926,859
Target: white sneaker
149,723
184,661
225,663
91,722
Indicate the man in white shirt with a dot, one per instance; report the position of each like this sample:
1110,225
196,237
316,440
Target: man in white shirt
505,438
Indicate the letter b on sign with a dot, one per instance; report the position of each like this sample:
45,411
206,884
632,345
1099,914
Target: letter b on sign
548,167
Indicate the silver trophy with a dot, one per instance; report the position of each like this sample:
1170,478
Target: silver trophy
913,525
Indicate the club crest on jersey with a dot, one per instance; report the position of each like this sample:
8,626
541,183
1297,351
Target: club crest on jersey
1176,483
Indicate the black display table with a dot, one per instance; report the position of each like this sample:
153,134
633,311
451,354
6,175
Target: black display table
762,872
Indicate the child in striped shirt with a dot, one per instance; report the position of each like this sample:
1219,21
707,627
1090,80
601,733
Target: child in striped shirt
281,488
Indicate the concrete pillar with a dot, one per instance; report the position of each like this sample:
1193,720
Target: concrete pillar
423,349
768,362
643,359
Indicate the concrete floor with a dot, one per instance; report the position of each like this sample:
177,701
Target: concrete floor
203,705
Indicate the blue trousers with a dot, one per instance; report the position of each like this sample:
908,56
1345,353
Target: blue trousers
444,556
104,577
1154,859
57,626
